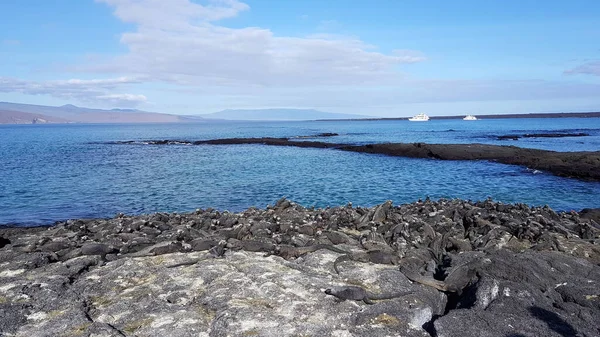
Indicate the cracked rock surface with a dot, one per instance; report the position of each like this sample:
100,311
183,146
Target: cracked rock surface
459,269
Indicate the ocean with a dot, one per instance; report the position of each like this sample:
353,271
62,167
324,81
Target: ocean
55,172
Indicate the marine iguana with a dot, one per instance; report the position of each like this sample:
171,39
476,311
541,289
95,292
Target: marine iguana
186,263
359,294
455,282
288,252
374,256
250,245
219,249
374,241
215,252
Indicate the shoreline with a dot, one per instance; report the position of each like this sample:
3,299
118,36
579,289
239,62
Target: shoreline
585,213
588,214
445,267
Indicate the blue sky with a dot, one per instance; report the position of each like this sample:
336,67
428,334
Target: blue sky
379,57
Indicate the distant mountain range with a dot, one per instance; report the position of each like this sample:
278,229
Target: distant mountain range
16,113
11,113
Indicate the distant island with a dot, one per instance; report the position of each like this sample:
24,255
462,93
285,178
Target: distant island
19,117
17,113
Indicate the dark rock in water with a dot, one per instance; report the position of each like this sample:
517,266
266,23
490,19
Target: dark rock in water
445,268
555,135
543,135
583,165
319,135
510,137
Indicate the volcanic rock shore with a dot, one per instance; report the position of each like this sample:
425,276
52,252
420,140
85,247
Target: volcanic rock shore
430,268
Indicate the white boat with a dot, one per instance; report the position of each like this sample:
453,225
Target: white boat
470,118
419,118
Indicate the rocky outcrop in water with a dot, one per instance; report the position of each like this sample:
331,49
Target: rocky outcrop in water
582,165
430,268
543,135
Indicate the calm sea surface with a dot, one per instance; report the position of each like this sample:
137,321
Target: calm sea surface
56,172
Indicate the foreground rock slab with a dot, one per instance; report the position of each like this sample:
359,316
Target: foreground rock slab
243,294
430,268
246,294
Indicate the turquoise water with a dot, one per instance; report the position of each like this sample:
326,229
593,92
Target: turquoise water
55,172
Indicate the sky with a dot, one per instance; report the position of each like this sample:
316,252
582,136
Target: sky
388,58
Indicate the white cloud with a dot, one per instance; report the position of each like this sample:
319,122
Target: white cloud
94,90
179,42
173,13
192,58
123,99
409,56
589,68
105,83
